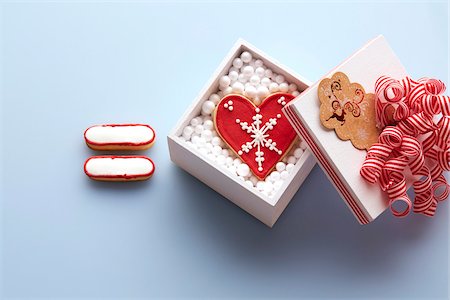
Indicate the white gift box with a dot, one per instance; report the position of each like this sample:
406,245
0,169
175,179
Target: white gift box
266,209
339,159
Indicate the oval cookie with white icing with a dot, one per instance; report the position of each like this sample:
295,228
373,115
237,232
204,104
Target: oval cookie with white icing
119,137
119,168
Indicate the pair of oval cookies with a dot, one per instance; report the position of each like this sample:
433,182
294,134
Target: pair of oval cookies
119,137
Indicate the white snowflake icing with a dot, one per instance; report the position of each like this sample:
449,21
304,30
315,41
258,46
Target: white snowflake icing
260,137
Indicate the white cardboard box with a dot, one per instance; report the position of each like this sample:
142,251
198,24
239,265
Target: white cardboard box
266,209
339,159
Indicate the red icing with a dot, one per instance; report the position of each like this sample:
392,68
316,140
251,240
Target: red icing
124,143
244,110
125,176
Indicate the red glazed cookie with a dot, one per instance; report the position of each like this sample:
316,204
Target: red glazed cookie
119,168
260,135
119,137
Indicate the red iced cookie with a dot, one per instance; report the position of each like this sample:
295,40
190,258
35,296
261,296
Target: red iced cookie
259,135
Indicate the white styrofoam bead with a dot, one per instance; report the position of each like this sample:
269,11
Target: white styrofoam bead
253,179
243,170
248,183
216,141
250,91
280,166
248,71
268,187
291,160
194,122
289,167
292,87
266,81
284,87
208,124
273,87
208,107
238,87
198,129
260,185
246,57
275,175
298,152
217,150
194,139
268,73
284,175
188,130
207,135
259,63
214,98
203,150
262,91
295,93
242,78
254,79
233,75
224,81
233,69
221,159
277,184
227,91
229,161
279,79
237,63
303,145
237,162
226,152
209,146
259,71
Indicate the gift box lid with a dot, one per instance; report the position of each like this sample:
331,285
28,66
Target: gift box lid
338,155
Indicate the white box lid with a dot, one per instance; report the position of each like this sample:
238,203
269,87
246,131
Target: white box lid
340,160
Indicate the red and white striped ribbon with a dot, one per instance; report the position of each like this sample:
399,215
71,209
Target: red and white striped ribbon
415,118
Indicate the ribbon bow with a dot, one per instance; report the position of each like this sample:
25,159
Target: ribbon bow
415,118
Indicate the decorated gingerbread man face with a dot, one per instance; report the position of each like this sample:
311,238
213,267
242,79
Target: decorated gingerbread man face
260,135
346,108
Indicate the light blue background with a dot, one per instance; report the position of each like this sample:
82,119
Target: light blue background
68,65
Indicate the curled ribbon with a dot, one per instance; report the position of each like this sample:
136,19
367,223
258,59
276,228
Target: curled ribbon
415,118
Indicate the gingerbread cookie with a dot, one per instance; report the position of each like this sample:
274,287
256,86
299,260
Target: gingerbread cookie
119,168
346,108
260,135
119,137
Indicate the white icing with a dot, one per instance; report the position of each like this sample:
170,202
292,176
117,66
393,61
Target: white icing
261,137
99,166
119,134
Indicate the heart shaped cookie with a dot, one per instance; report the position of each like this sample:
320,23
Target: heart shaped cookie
259,135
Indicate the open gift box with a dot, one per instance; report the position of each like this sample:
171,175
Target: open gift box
336,118
216,167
